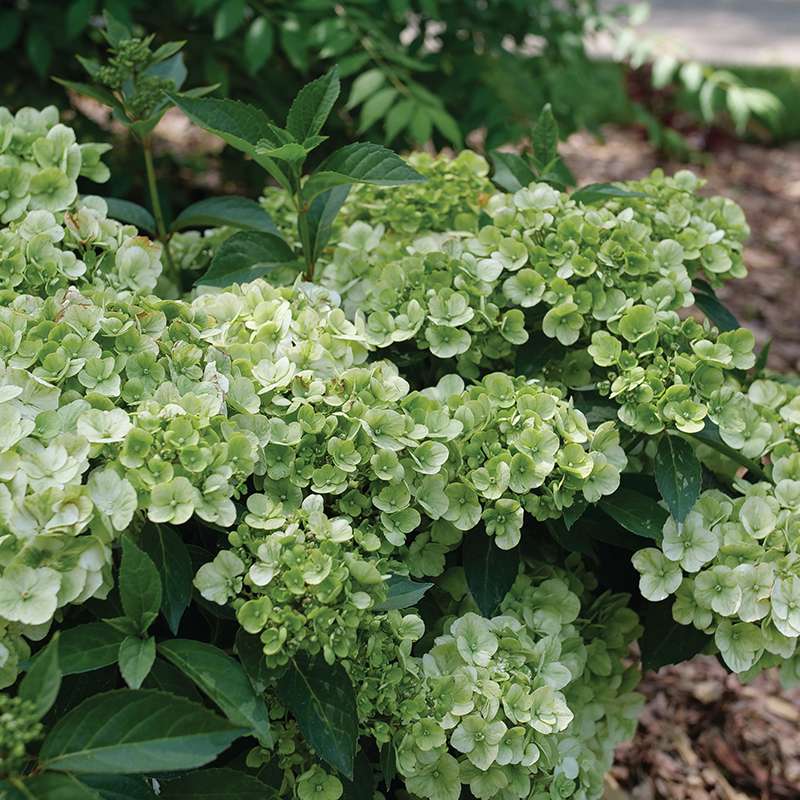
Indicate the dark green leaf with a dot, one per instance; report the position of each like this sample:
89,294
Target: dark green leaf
125,211
39,50
223,679
763,357
362,786
490,571
706,300
119,787
10,26
216,784
312,106
49,786
258,44
88,647
595,192
533,356
362,162
321,698
388,759
572,514
171,558
77,17
131,731
166,678
321,215
240,125
116,31
678,475
139,585
402,592
545,137
664,641
229,16
41,684
246,256
251,656
136,657
636,513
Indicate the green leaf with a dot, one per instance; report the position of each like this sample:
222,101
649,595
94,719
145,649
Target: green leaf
636,512
223,679
710,436
88,647
39,50
132,213
166,678
246,256
242,126
366,84
229,16
312,106
447,126
171,558
217,784
251,656
763,356
321,698
321,215
706,300
139,585
490,571
596,192
43,680
375,107
10,26
129,731
402,592
119,787
236,212
291,152
398,118
511,173
136,657
115,30
49,786
258,43
664,641
678,475
77,17
572,514
362,162
545,137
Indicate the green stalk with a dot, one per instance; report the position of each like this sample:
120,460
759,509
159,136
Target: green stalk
152,187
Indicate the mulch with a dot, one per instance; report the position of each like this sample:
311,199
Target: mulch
703,735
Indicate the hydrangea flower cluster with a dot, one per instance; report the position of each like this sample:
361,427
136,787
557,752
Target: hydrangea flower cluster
43,252
451,198
40,162
585,276
732,563
523,447
525,704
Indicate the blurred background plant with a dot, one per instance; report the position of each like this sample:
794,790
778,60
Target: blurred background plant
415,72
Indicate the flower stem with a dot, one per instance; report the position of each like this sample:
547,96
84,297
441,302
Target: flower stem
155,202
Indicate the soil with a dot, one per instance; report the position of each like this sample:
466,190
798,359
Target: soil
703,735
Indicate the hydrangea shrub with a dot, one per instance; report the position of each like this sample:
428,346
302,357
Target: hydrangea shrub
394,532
